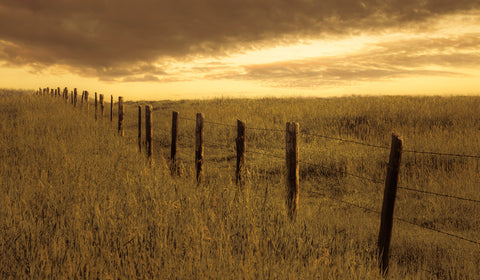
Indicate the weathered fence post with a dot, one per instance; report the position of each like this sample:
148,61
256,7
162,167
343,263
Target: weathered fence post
389,195
58,90
292,151
102,106
86,99
199,137
173,146
96,105
75,97
140,128
56,93
120,116
111,108
83,97
241,147
71,97
148,130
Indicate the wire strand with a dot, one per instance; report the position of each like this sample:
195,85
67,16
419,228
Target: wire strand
346,140
439,194
407,222
265,154
439,231
440,154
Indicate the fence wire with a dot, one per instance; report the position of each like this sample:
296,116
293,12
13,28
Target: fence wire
346,140
439,194
441,154
404,220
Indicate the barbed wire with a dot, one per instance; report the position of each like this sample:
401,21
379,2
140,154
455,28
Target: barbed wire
405,221
441,154
439,194
265,129
346,173
345,140
221,124
187,119
217,145
439,231
265,154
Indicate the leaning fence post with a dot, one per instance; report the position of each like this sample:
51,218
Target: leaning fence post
140,128
199,137
389,195
148,130
291,141
173,146
241,147
102,106
120,116
111,108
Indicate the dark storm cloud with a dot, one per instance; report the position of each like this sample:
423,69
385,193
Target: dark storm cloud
106,38
381,61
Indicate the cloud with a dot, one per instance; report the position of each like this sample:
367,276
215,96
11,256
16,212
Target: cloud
101,37
380,61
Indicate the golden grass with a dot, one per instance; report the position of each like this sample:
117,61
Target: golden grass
77,201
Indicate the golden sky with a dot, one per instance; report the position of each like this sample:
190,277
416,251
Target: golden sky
159,49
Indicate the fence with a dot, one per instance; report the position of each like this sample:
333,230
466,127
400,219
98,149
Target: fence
292,134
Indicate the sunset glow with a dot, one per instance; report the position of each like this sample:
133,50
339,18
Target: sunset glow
429,49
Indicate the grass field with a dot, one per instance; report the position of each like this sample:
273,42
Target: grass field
77,201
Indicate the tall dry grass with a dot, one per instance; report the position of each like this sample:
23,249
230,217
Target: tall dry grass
77,201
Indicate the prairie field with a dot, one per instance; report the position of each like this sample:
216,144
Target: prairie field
77,201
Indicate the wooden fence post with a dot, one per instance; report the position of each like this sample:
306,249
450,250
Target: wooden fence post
120,116
140,128
102,106
86,99
241,147
96,105
83,97
71,97
58,90
389,195
148,130
75,97
173,146
52,92
111,108
292,151
199,137
56,93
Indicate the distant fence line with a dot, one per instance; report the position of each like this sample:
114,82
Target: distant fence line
292,133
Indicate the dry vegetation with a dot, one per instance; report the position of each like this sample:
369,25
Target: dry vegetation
77,201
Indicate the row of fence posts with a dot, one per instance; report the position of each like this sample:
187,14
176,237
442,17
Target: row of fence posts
292,160
99,101
292,163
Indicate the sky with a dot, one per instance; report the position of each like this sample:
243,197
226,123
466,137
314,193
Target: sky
184,49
